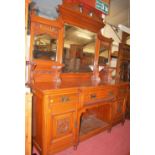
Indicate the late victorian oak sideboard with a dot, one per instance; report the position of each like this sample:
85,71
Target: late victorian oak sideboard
65,114
72,99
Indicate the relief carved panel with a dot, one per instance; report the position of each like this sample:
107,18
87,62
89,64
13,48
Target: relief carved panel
63,126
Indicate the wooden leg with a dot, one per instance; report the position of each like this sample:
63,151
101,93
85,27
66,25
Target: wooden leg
77,132
110,128
123,121
75,147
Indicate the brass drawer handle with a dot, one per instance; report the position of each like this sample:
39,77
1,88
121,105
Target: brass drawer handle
110,93
93,96
65,99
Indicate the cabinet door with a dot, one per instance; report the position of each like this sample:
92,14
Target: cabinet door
62,130
119,108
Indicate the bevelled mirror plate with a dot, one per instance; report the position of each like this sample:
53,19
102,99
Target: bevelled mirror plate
79,49
44,47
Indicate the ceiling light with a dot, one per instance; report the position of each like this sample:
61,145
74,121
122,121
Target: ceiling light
84,36
124,28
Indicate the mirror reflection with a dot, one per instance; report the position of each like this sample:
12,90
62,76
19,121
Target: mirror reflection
104,54
79,49
44,47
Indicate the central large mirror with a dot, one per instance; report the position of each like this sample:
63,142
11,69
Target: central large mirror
79,49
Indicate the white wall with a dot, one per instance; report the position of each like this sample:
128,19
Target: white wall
109,33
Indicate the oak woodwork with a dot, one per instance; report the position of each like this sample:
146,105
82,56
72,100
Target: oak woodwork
70,13
58,111
125,37
71,107
123,74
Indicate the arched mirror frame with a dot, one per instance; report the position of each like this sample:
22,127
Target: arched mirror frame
40,25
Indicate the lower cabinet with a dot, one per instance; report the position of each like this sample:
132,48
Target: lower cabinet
62,130
63,117
62,120
120,104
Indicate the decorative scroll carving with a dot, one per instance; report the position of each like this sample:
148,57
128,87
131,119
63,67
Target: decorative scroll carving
84,8
63,126
46,28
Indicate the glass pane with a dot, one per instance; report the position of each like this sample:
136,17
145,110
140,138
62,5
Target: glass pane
79,49
44,47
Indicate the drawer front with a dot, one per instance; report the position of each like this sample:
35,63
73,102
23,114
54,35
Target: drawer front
98,94
63,99
63,103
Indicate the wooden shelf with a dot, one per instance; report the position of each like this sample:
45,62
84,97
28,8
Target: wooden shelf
91,126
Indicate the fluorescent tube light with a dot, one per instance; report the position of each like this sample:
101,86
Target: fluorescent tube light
124,28
84,36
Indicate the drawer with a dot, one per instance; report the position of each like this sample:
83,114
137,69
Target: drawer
63,103
63,99
99,95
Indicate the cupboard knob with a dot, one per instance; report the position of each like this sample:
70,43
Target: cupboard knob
93,96
51,100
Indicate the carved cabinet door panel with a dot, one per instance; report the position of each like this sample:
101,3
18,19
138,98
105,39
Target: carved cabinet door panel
62,130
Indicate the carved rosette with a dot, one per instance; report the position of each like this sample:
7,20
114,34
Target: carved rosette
63,126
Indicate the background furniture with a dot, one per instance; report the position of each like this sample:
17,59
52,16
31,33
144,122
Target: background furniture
123,70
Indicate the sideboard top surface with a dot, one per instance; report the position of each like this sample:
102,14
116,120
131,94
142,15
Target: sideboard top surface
47,87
